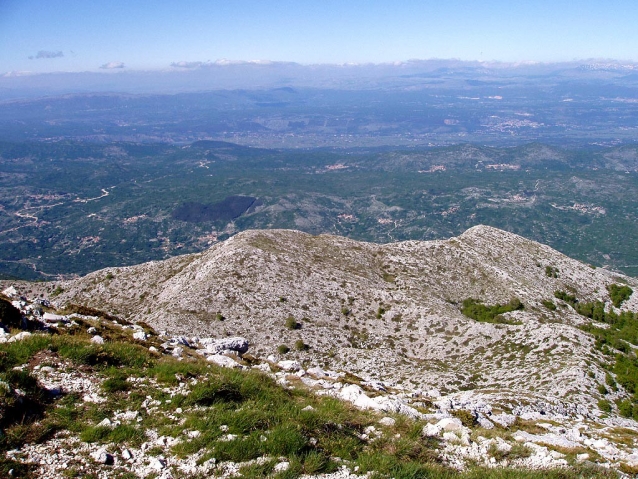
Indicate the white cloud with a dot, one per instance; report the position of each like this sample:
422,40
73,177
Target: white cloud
187,64
112,65
15,73
46,54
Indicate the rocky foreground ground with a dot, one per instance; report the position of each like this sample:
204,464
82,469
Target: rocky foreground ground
122,400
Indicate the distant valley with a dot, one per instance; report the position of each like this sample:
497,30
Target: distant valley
67,208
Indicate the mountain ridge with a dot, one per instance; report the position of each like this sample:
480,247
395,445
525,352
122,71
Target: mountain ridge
387,312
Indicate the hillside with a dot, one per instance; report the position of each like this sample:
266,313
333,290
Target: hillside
485,350
385,312
92,396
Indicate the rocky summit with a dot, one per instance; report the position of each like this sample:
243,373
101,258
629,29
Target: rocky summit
386,312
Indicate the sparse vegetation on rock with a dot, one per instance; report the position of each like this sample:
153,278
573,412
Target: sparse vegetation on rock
283,349
291,323
475,309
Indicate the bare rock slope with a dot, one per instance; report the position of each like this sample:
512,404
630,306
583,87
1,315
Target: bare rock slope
385,312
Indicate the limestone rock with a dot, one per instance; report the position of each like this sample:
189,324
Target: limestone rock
387,421
140,336
101,456
223,361
219,346
289,365
20,336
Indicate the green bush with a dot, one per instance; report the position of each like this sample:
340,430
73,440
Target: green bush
604,405
568,298
215,390
619,294
291,323
285,440
625,407
551,272
56,292
109,354
467,418
121,434
549,304
282,349
19,352
475,309
300,345
169,370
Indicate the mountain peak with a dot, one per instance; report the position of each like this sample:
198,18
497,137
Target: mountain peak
384,311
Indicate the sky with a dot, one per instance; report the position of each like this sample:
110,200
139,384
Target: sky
98,35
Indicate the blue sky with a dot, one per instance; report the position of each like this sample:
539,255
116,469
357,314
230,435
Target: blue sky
70,35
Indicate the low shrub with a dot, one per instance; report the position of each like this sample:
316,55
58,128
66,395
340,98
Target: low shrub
291,323
467,418
301,346
604,405
282,349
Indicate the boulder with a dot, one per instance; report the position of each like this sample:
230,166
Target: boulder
127,454
281,467
387,421
350,392
10,292
485,422
157,464
140,335
431,430
375,385
451,424
289,365
20,336
503,420
179,341
223,361
53,318
177,352
219,346
396,406
545,439
101,456
319,373
106,422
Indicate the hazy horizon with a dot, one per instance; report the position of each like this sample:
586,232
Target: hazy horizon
71,36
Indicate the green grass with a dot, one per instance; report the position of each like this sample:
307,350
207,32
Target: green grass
122,434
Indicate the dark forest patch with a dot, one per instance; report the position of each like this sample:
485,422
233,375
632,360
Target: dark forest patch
226,210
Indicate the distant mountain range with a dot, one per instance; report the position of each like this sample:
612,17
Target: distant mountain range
224,74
